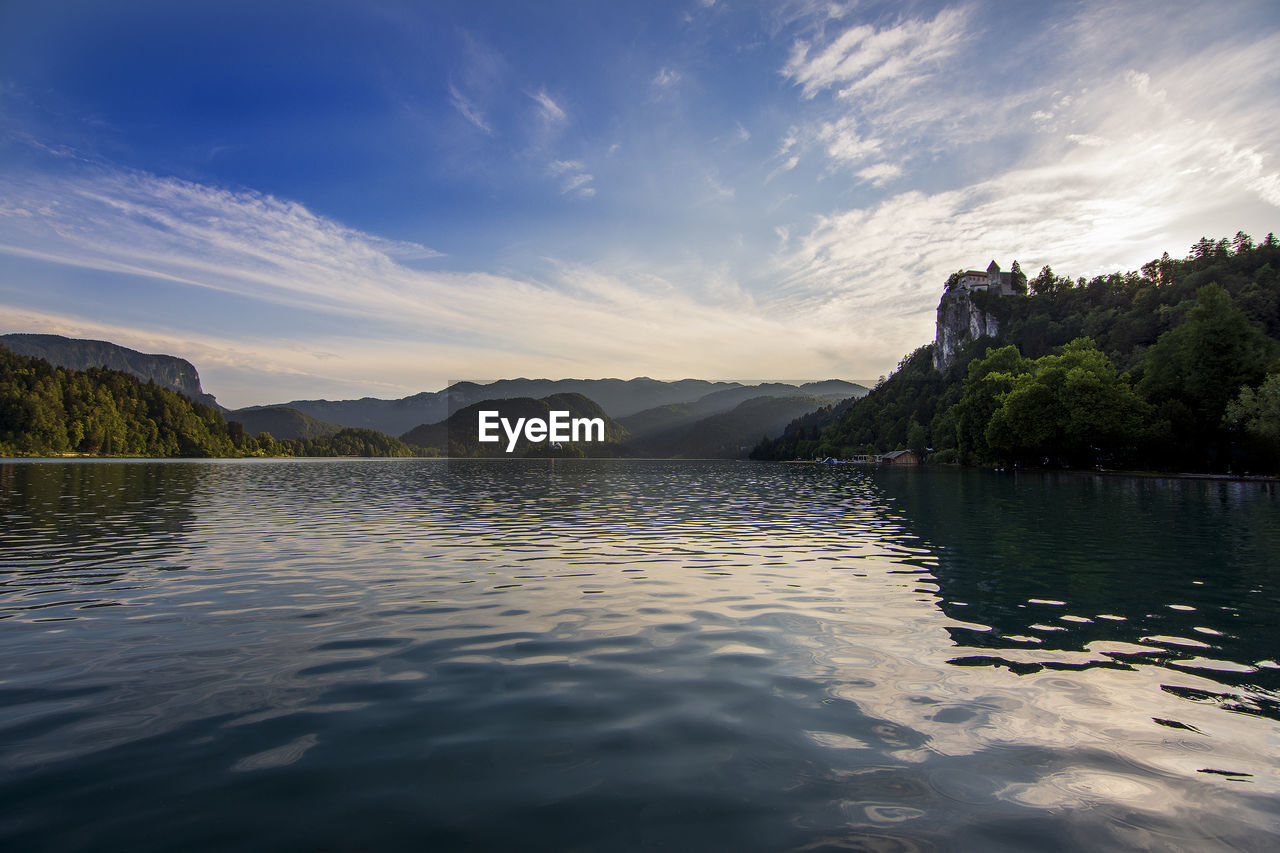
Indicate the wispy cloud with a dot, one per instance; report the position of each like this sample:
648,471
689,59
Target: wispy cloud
895,150
575,179
551,111
717,191
666,78
870,62
579,184
429,326
843,143
469,110
904,91
1095,205
476,78
880,174
1130,155
560,167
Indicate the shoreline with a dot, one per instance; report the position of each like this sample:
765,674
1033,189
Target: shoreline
1102,472
1148,475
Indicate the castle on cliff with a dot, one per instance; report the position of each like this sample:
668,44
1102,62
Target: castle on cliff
961,321
992,281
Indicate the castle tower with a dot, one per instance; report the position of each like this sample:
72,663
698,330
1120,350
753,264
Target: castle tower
998,282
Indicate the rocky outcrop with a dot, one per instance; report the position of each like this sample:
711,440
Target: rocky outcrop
167,371
959,321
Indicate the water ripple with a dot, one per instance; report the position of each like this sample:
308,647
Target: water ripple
349,654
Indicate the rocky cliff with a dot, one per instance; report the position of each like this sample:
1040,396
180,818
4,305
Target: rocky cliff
959,321
166,371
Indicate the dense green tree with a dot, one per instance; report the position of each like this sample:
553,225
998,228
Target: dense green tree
1018,278
917,439
1046,283
1070,408
1260,300
989,380
351,441
1257,410
1202,365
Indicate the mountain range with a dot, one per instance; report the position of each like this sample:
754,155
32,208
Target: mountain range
617,397
689,417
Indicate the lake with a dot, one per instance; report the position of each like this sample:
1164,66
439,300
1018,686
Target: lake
613,655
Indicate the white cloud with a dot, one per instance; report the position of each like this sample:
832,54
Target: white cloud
427,327
1087,139
905,92
865,61
880,174
666,78
560,167
782,168
577,182
469,110
551,111
1117,165
576,179
718,191
1094,148
1086,210
1141,82
843,143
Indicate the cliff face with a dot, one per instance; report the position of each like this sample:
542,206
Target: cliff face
166,371
959,321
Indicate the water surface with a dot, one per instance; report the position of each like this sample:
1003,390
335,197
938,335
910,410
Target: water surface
602,655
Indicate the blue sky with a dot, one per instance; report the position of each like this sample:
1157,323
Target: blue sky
341,199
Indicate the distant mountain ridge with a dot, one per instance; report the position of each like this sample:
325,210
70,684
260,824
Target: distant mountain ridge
674,416
167,371
688,417
619,398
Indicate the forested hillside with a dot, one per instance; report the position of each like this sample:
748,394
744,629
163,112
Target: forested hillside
51,411
282,422
176,374
1173,367
47,410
